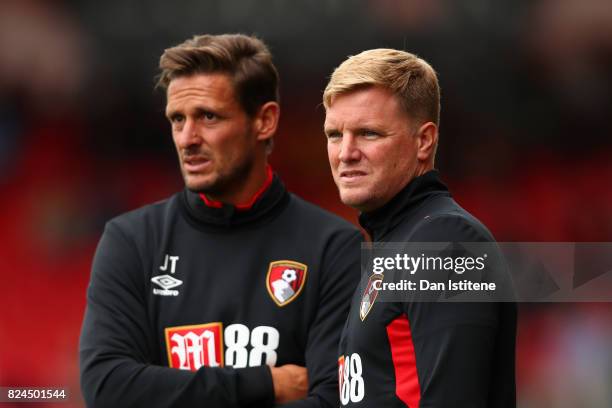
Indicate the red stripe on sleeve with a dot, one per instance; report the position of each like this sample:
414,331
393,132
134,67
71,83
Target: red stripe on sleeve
407,386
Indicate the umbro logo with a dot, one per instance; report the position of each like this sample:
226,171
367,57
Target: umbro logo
166,282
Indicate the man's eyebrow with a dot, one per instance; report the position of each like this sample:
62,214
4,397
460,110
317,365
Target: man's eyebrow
362,129
329,129
170,110
203,109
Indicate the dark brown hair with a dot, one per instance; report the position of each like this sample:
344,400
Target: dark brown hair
246,59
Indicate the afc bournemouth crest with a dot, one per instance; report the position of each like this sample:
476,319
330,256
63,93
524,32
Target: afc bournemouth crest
369,296
285,281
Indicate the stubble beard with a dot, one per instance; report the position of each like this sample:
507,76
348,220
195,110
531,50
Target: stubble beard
362,198
224,181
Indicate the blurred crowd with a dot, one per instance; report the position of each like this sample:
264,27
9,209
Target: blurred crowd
525,145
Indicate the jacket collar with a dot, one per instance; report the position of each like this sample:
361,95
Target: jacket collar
384,219
268,201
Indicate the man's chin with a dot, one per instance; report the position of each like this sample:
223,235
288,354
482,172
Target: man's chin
199,186
357,201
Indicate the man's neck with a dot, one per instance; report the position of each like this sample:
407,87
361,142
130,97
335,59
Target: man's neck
248,193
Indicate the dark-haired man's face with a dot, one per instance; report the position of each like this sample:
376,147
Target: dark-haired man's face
212,134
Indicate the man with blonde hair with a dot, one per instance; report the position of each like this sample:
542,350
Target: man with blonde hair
382,117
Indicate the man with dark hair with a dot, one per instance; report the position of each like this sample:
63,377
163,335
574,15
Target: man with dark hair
382,113
232,292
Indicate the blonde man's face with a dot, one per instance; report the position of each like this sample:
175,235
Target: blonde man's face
371,146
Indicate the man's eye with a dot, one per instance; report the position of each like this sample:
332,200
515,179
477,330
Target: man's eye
209,116
334,135
370,134
176,119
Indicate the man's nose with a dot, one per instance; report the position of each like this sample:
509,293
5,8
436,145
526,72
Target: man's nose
188,135
349,149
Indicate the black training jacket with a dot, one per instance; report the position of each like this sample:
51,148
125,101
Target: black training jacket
189,301
425,354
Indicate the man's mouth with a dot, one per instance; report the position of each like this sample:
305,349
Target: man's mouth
352,175
195,164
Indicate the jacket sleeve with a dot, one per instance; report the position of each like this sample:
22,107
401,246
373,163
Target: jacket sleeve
117,342
457,345
341,274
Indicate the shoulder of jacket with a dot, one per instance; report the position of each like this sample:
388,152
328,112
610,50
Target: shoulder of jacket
443,219
455,225
317,216
145,215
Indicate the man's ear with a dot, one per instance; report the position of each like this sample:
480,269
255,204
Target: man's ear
266,120
427,141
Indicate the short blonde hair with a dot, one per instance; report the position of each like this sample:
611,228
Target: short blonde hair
409,77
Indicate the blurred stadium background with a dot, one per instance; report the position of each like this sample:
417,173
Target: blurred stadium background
525,146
